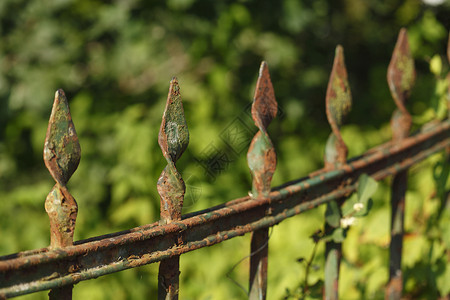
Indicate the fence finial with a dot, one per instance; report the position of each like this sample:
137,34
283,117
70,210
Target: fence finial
261,155
338,105
62,154
401,76
173,140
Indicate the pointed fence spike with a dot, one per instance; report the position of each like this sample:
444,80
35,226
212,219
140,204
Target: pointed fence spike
173,139
401,73
62,150
173,134
62,155
264,107
262,161
338,105
261,155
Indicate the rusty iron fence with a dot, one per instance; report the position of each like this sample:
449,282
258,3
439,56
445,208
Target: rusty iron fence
65,263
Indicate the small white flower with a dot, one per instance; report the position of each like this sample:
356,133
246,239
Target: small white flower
347,221
358,206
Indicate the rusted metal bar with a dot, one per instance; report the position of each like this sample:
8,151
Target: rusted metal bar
173,140
338,105
37,270
62,154
262,161
401,76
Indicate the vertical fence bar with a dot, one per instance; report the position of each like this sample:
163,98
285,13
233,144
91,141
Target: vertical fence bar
173,140
400,77
62,154
262,162
338,105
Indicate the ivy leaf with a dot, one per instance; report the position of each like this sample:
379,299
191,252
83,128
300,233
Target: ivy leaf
347,206
367,186
332,214
339,235
365,210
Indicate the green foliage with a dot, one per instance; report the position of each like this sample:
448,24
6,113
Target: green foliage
359,204
114,60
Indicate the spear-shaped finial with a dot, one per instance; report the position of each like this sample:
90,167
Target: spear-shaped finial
62,154
173,140
401,76
261,155
338,105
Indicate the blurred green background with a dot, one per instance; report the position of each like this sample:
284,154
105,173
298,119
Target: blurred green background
114,60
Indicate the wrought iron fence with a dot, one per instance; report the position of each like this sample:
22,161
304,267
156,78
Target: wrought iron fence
65,262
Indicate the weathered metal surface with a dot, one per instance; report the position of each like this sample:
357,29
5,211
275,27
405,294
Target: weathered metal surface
62,150
62,154
173,140
262,160
259,247
400,77
261,154
32,271
338,105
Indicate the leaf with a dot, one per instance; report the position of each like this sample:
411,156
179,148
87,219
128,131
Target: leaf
332,214
365,210
347,206
436,65
339,235
367,186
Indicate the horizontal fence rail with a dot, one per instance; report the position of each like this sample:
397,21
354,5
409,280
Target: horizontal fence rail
65,262
44,269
